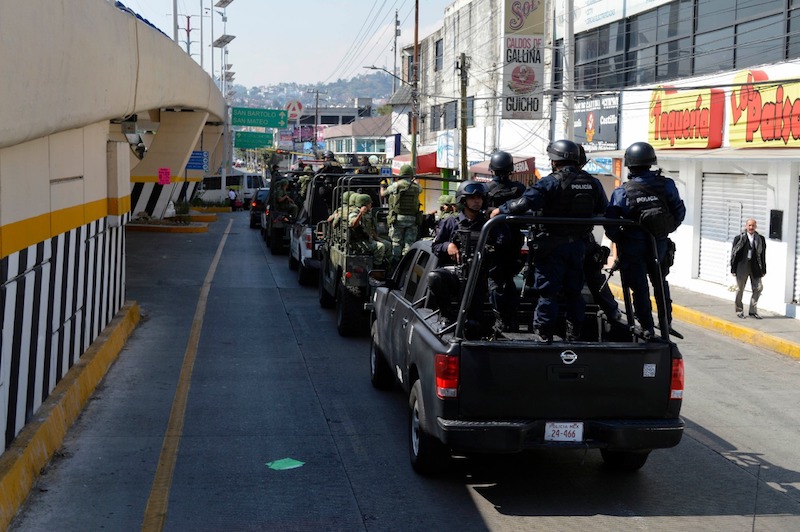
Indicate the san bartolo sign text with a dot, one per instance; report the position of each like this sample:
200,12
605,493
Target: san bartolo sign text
686,118
764,115
523,66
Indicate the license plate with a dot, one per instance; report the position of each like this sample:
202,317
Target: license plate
563,431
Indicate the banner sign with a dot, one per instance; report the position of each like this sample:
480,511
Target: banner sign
245,140
250,116
523,53
595,122
164,176
686,118
764,115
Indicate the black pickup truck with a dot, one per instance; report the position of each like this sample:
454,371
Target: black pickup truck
616,390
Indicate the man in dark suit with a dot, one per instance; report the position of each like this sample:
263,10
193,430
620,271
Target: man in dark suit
749,260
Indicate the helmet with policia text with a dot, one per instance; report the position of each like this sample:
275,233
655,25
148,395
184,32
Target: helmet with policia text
470,188
582,160
640,154
564,151
501,163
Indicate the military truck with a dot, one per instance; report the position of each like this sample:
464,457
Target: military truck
303,242
343,267
276,218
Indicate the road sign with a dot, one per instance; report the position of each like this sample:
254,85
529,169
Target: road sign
198,160
250,116
294,109
245,140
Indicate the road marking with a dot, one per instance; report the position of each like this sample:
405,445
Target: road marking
155,513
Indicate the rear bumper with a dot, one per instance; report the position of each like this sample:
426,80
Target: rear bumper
513,436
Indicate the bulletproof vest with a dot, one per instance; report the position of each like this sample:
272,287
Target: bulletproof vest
406,199
503,191
648,206
577,195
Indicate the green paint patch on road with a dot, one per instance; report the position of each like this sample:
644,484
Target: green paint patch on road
284,464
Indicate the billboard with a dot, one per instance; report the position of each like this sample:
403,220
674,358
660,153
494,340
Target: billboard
523,56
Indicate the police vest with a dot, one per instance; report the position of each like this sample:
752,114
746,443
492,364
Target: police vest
406,200
576,199
501,192
648,206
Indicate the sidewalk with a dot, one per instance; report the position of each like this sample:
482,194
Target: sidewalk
774,332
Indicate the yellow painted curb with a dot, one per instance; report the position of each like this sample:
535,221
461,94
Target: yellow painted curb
156,228
204,217
744,334
211,209
34,446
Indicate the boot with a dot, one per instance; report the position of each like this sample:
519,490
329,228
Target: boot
573,332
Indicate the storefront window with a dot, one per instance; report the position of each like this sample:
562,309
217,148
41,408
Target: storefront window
760,41
713,51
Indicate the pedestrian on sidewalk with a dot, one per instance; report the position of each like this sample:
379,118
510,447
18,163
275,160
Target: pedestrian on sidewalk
749,260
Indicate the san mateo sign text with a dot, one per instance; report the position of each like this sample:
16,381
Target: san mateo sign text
250,116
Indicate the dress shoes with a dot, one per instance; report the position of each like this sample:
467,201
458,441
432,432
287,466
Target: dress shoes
741,315
755,315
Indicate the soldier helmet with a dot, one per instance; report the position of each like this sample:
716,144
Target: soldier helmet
346,198
443,200
362,200
352,199
328,155
470,188
373,159
640,154
564,150
501,163
406,170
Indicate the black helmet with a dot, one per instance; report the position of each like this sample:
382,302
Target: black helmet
501,163
470,188
583,160
328,155
564,150
640,154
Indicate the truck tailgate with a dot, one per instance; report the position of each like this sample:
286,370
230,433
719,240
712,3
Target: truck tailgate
526,380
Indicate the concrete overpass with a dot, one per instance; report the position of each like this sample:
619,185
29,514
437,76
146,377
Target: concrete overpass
76,77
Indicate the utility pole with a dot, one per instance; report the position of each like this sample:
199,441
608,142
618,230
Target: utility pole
569,74
175,20
414,89
463,66
396,35
316,93
188,29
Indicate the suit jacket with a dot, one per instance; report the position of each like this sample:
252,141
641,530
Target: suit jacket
758,262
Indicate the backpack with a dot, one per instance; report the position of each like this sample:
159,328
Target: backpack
405,201
649,206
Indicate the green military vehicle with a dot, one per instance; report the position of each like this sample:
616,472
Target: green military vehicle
345,265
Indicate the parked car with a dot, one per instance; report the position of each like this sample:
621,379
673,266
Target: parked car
257,206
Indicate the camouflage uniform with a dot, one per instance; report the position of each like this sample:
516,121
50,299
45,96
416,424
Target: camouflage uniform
284,204
404,215
364,236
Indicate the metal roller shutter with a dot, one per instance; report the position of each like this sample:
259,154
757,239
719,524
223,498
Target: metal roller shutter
796,291
728,201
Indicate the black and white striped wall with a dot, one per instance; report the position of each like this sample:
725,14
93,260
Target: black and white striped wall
55,299
153,198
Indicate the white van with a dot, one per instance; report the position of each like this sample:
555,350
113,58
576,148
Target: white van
244,183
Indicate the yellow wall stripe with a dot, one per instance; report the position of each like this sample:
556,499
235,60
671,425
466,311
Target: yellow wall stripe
19,235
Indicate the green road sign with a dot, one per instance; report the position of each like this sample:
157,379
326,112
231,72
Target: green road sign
245,140
250,116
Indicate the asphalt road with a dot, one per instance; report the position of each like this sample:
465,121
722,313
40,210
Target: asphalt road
266,377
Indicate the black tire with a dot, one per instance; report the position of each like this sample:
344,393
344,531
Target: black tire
624,460
263,235
348,313
325,299
268,236
292,261
305,275
253,225
276,241
379,371
428,455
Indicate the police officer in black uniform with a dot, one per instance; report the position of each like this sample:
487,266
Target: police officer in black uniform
559,248
506,261
448,246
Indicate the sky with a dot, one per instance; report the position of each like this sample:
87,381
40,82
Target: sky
305,41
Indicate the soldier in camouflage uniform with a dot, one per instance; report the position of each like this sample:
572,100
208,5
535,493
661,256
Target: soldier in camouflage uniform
283,201
404,214
363,235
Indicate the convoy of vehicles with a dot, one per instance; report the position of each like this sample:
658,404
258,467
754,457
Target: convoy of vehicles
614,390
303,242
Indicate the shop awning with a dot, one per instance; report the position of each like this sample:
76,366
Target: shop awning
426,163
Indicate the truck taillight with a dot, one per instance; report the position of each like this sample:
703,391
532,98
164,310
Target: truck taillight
447,370
308,239
676,383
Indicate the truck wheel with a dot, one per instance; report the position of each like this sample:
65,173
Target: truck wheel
379,371
325,299
276,241
268,236
292,261
348,313
428,455
305,275
624,460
